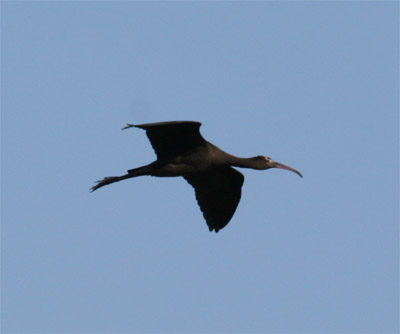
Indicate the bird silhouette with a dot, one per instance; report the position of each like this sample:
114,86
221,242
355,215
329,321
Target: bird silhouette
182,151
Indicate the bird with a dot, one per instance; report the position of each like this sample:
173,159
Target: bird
182,151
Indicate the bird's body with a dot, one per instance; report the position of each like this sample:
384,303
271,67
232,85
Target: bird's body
182,151
193,162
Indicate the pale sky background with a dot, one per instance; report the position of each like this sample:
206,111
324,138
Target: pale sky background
311,84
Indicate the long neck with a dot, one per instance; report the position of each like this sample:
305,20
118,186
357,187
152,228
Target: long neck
223,158
242,162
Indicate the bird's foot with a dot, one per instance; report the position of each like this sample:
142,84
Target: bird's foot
104,182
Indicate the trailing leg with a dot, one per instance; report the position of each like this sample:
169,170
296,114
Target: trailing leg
109,180
131,173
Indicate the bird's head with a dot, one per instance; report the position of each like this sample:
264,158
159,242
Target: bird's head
264,162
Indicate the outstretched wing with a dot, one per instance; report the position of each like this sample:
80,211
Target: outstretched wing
218,193
171,139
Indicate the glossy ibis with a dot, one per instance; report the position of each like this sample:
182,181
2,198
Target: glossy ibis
182,151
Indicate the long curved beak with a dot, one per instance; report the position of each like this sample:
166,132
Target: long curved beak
282,166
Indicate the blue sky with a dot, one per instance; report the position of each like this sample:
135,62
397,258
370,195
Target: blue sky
313,85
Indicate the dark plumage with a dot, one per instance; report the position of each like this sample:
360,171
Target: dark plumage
182,151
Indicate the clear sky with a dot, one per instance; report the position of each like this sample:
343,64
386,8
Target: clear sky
313,85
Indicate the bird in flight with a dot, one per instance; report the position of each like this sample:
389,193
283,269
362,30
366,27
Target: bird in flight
182,151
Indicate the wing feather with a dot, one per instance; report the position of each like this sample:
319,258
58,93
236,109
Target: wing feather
171,139
218,193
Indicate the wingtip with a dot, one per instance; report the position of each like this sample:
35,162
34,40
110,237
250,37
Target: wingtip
128,126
